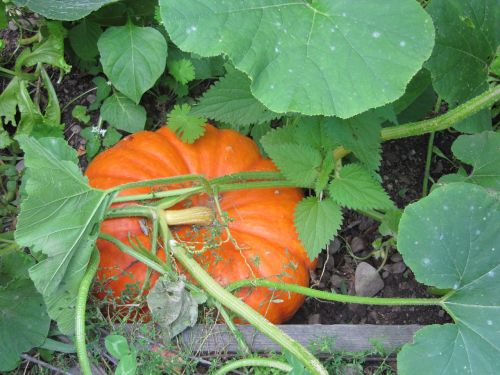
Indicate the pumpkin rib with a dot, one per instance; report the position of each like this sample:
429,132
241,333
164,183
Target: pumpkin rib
130,169
292,249
183,150
162,157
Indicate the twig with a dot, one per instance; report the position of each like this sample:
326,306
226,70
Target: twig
44,364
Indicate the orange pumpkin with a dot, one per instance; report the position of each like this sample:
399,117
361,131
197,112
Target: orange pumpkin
261,220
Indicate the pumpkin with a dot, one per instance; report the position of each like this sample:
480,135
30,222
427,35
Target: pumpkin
261,220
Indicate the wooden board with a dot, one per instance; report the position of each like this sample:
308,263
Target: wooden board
343,337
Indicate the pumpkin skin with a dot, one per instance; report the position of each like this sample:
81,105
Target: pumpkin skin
261,220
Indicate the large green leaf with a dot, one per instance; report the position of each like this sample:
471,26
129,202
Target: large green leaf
317,222
321,57
450,239
468,33
133,58
482,152
66,10
230,100
361,135
83,39
24,322
60,217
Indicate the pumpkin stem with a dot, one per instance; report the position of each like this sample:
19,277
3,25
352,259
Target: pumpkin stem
193,215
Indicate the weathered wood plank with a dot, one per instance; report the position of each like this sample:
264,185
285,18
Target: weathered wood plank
355,338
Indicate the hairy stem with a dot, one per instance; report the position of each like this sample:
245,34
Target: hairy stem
81,302
150,260
234,330
439,123
254,362
444,121
333,296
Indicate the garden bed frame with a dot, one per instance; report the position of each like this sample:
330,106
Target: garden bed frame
346,337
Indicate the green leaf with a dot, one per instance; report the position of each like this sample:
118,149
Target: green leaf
208,67
79,112
112,136
317,222
93,144
5,139
117,346
302,56
326,169
316,132
24,322
361,135
122,113
14,265
102,92
127,365
467,36
173,307
257,132
482,152
133,58
66,10
230,100
390,223
187,126
8,101
83,39
466,40
476,123
62,222
182,70
356,188
4,22
300,164
52,115
50,51
450,240
415,88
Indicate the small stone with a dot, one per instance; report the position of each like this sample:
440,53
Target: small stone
91,98
351,369
12,26
20,166
373,317
396,258
320,263
357,244
76,129
367,281
334,246
399,267
330,264
336,281
441,313
385,275
314,319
